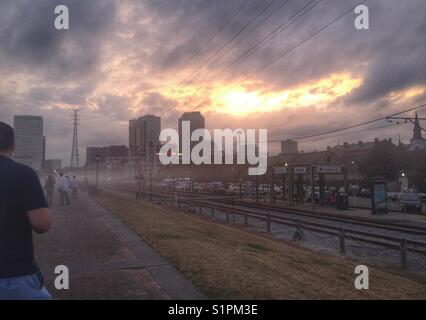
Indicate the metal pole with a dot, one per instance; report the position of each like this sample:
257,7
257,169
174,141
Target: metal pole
404,254
150,184
272,186
139,180
290,187
313,187
97,172
268,222
342,241
257,188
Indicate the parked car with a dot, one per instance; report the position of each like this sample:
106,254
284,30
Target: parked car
365,193
410,202
394,196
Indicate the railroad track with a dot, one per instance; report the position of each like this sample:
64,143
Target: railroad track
399,238
240,204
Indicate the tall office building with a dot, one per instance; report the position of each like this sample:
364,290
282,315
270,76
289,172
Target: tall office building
29,145
196,121
144,136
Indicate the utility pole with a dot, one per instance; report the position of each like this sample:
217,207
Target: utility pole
150,184
313,187
139,180
272,185
75,158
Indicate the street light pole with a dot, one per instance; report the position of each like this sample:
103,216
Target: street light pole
150,184
97,170
139,180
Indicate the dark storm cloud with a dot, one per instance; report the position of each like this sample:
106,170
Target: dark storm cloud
29,40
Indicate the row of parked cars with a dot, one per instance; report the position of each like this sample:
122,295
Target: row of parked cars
409,200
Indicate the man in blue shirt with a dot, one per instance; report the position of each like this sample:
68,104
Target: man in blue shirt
23,209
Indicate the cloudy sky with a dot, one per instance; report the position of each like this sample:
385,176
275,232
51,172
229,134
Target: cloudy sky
124,58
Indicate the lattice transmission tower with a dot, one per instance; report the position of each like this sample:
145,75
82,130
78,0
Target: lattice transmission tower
75,158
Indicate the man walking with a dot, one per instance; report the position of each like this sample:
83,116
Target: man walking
23,209
64,188
49,187
74,186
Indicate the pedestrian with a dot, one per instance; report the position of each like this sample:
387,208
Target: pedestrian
49,187
23,209
74,186
64,188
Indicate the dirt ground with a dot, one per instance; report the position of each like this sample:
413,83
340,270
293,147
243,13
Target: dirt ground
226,262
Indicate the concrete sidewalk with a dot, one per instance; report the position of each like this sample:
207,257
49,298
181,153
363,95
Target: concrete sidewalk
106,259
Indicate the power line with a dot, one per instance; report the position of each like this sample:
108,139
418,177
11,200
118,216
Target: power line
306,39
282,27
217,32
269,5
266,18
350,133
355,125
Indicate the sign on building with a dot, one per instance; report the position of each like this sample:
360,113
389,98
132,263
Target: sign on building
300,170
280,170
329,169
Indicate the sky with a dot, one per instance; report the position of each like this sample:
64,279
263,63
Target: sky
121,59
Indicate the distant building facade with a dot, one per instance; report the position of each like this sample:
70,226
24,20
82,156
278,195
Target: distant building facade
289,147
196,121
29,141
349,155
53,164
120,151
144,136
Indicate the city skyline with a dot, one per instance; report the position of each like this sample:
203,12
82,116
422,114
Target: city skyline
138,60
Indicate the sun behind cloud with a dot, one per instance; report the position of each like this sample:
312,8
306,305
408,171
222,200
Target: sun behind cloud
237,100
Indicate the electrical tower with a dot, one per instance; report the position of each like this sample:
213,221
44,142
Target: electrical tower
75,158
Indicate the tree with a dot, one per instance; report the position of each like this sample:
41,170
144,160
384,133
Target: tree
382,161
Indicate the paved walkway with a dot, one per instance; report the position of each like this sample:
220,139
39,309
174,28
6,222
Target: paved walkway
106,259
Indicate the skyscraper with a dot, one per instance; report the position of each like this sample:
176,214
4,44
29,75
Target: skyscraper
29,141
144,136
196,121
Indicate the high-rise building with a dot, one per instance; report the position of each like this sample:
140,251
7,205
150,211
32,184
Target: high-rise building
29,146
196,121
144,136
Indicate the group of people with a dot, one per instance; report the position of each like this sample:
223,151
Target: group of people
65,185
